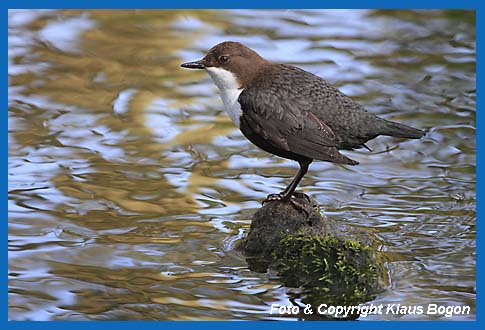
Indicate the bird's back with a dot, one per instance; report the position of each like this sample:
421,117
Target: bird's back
352,123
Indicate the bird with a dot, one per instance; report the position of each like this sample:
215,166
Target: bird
290,112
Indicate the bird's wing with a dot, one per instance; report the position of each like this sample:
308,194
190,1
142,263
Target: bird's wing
289,124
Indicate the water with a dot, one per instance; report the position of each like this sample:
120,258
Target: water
128,185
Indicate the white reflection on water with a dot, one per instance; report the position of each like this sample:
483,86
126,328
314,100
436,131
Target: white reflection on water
65,34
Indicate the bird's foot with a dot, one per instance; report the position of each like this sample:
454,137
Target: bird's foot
293,199
300,195
272,197
299,205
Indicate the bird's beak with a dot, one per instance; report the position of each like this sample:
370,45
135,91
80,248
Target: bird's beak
193,65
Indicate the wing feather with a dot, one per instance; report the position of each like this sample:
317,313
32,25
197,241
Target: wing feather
290,125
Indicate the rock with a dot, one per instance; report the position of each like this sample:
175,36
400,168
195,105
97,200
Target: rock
330,262
275,220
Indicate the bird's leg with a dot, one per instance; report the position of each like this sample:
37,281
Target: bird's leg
286,194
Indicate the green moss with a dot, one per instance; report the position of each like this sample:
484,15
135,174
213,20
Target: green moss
328,266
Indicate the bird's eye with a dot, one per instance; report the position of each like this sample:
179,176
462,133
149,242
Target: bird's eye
223,59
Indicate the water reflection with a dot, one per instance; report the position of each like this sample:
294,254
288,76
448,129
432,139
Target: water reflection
128,184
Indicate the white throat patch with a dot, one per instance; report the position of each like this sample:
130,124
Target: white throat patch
227,83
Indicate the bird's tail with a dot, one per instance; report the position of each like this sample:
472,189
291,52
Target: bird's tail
391,128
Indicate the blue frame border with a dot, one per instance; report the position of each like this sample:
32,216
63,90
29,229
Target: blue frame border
192,4
267,4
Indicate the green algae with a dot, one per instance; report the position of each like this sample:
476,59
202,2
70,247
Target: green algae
332,269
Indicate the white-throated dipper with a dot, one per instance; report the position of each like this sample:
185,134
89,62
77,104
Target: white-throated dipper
290,112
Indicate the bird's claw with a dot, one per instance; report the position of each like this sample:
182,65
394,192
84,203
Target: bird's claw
271,198
292,199
301,207
301,195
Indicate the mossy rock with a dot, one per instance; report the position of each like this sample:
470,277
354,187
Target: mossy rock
330,262
341,271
